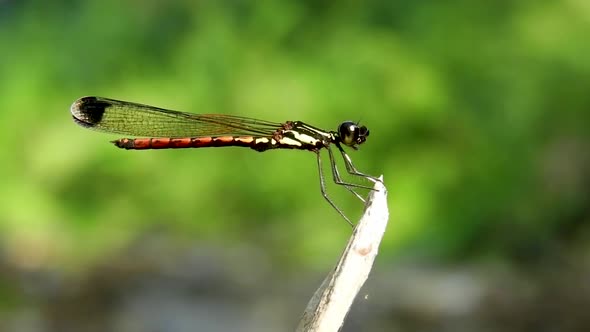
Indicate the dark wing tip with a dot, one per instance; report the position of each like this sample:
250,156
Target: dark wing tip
88,111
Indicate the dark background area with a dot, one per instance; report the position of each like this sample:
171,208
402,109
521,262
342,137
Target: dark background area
479,123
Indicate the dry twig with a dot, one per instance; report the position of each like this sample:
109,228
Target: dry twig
328,307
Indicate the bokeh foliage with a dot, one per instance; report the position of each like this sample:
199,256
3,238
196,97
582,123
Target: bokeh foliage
478,115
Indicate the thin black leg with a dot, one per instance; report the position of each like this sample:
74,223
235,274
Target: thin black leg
351,169
323,189
338,179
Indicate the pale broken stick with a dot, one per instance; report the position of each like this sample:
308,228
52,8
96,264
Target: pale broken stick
329,305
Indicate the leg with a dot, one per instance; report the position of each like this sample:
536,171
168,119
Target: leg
350,167
325,194
338,179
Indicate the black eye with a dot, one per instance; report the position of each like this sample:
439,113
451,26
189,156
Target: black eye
349,133
364,132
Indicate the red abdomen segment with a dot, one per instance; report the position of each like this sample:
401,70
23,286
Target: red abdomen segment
259,144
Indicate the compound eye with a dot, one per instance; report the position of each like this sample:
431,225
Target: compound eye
364,132
349,133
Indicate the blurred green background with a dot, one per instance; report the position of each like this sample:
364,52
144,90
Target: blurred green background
479,119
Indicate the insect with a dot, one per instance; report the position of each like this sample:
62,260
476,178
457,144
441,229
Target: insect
168,129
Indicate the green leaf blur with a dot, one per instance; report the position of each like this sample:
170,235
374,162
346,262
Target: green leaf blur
478,113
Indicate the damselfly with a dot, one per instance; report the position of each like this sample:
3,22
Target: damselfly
169,129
